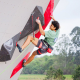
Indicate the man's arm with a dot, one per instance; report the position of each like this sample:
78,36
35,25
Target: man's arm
40,27
54,19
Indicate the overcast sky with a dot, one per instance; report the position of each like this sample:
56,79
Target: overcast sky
67,13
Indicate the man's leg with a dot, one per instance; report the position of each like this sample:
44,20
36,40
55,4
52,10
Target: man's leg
35,42
30,58
28,40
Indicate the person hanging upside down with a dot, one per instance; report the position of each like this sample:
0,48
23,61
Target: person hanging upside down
43,45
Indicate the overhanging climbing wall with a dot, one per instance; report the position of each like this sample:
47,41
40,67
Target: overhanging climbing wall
13,17
9,46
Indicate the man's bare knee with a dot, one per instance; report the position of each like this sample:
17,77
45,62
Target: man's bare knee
30,37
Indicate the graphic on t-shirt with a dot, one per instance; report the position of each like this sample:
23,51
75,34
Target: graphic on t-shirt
55,40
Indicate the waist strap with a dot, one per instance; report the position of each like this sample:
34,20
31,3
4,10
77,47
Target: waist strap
49,48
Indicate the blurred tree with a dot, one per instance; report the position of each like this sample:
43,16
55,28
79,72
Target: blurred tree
50,74
59,75
75,34
76,75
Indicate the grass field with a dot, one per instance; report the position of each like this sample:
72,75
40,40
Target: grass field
39,77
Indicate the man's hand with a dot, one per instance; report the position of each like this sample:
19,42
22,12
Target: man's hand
40,27
38,21
52,18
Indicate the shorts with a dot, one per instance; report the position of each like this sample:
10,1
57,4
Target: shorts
42,47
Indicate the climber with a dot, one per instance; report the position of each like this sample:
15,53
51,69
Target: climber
43,45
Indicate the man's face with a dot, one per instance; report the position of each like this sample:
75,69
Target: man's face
52,27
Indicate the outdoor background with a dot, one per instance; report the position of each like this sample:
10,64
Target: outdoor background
66,53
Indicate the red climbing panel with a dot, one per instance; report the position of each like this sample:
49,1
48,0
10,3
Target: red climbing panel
19,66
47,14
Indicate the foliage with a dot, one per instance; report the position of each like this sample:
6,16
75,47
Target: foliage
54,74
76,75
75,33
50,73
59,75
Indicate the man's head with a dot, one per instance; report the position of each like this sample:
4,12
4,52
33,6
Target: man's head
54,25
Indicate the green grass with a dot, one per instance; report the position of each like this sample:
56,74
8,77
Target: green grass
68,76
32,77
38,77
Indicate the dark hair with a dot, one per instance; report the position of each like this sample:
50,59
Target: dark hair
56,24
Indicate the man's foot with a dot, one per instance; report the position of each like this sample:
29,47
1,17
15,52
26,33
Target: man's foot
20,49
23,62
